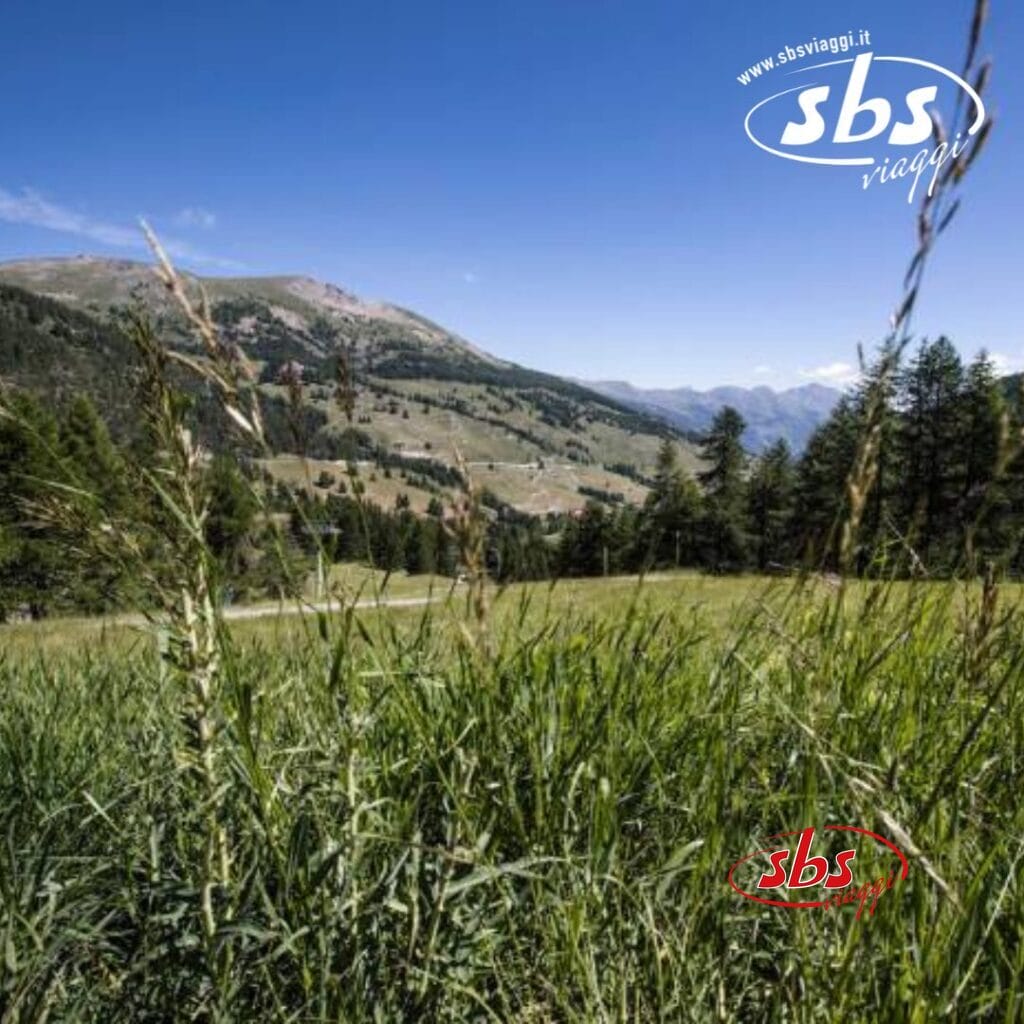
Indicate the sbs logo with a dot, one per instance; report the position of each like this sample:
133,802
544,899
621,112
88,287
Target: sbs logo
873,111
818,882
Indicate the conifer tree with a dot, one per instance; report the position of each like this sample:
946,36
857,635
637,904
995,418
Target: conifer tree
231,516
770,496
931,452
723,536
671,512
986,503
34,571
820,499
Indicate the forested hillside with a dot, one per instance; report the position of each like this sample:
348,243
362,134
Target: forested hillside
412,388
382,422
381,414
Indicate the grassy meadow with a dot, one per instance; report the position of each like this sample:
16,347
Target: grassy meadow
416,813
399,599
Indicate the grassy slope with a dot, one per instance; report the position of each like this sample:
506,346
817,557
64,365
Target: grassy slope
527,486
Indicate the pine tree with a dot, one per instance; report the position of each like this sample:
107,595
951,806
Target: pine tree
822,472
584,540
423,558
671,513
86,447
932,469
723,537
875,398
230,521
985,503
770,496
93,463
35,572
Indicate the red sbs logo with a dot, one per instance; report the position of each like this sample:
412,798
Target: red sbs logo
814,881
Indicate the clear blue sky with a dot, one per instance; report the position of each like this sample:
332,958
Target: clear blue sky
565,182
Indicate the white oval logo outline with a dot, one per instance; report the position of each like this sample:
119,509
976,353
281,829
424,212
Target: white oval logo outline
861,161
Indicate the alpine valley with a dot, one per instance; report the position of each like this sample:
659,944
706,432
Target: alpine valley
423,398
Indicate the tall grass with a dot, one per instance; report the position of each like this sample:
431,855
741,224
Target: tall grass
419,833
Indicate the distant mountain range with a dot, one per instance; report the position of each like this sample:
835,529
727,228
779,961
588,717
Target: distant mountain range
792,414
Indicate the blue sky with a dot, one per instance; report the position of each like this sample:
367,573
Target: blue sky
565,182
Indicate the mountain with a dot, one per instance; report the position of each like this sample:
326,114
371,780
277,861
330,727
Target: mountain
425,398
792,414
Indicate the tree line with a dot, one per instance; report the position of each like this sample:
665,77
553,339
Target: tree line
945,485
946,481
947,491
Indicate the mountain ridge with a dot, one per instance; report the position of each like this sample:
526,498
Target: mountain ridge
541,443
791,413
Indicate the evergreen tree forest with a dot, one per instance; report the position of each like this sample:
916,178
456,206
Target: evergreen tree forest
946,494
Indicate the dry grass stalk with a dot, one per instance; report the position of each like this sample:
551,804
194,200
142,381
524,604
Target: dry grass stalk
936,211
192,623
468,528
226,367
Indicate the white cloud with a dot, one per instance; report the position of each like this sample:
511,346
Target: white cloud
836,374
30,207
763,370
196,217
1005,363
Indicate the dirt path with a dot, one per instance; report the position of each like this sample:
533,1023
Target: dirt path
266,611
241,613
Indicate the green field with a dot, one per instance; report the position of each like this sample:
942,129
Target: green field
711,601
408,814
